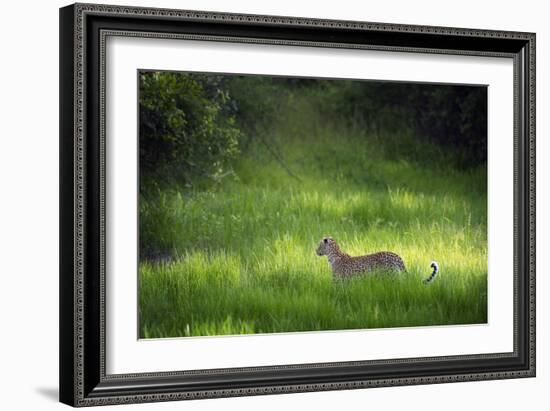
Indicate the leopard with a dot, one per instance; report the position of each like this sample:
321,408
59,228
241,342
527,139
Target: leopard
344,266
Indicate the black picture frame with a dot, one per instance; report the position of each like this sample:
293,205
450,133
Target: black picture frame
83,381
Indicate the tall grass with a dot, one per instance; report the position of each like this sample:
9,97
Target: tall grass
243,252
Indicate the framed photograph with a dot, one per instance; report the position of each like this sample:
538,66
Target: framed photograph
262,204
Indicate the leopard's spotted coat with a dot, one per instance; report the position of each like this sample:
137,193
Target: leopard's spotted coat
343,265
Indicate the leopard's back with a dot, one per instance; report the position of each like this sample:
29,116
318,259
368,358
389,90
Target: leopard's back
383,261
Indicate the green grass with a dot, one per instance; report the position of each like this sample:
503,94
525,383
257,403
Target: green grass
244,251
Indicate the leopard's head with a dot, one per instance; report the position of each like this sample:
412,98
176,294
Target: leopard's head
326,246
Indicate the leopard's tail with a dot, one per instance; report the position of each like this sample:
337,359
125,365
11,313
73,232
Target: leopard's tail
432,276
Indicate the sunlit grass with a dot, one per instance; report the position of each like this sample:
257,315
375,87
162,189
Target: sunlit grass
243,254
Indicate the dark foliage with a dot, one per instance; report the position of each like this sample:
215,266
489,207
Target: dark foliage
454,117
193,125
187,126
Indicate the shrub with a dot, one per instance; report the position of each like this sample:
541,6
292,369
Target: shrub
187,127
